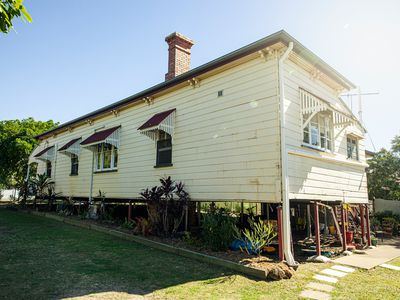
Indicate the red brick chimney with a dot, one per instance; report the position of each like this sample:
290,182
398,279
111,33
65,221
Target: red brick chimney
178,54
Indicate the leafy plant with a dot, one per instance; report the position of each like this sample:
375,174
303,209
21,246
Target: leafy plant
142,226
166,206
41,185
102,213
16,145
67,207
218,229
128,224
189,239
375,224
259,235
10,9
383,173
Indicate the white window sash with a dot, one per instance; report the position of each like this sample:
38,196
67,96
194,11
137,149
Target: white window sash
112,160
323,125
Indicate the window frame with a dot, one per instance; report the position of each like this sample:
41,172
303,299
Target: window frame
355,146
74,165
162,137
113,159
323,131
49,170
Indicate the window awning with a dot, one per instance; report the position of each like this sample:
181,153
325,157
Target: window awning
72,147
164,121
109,136
311,105
47,154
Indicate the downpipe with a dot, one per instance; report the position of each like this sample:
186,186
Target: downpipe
284,163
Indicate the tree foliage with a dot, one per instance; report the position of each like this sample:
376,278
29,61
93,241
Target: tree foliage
16,144
384,173
10,9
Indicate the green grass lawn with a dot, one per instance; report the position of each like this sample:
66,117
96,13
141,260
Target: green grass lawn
46,259
377,283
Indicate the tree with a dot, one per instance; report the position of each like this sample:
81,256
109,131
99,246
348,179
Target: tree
9,9
384,173
16,144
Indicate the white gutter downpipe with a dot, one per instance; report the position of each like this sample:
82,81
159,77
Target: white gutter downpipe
91,181
284,163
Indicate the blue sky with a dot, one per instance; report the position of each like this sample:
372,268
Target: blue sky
79,55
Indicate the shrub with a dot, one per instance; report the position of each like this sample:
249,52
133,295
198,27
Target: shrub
128,224
259,235
218,229
166,206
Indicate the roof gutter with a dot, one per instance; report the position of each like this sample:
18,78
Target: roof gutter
280,36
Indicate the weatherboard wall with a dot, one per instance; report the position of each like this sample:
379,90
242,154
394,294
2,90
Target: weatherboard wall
316,174
224,148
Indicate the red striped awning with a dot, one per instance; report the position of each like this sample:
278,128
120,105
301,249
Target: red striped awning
156,119
69,144
44,151
109,136
72,147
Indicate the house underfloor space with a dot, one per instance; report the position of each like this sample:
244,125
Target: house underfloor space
327,229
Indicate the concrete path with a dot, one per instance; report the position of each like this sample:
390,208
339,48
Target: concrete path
321,288
372,258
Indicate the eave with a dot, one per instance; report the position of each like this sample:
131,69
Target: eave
280,36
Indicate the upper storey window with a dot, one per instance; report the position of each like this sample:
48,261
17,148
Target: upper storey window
319,118
352,148
317,132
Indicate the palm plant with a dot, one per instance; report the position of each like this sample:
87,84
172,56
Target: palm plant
41,183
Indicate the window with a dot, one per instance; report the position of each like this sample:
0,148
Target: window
164,149
318,132
48,168
106,157
352,148
74,164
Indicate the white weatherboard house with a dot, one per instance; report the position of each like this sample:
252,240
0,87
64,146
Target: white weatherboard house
264,123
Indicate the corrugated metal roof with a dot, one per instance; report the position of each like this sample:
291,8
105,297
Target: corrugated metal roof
99,136
280,36
44,151
156,119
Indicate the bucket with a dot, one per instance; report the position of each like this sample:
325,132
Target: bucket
332,230
374,242
349,236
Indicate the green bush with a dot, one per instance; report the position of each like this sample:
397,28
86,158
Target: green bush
259,235
218,229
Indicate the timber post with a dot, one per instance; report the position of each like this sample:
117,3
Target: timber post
368,226
241,214
362,224
198,213
280,233
130,210
317,229
344,228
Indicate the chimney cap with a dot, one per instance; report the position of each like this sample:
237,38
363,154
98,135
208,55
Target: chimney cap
175,34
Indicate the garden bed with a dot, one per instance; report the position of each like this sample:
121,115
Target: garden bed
261,267
274,269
